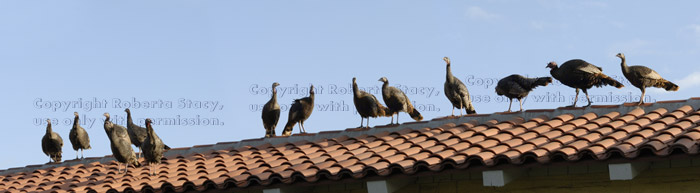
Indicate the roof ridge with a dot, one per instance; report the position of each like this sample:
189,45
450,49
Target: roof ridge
479,119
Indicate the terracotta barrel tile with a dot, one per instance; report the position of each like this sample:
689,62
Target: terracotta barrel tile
603,130
551,146
395,141
541,129
402,146
564,117
686,109
692,135
596,150
567,151
527,136
685,142
479,128
435,148
538,141
487,143
660,111
664,138
591,137
527,125
590,126
695,118
618,135
499,149
615,124
386,153
471,151
512,154
606,143
475,139
348,162
579,144
466,134
625,148
577,122
412,151
370,160
485,156
564,139
395,158
406,163
552,134
674,132
656,145
554,123
460,146
629,128
502,126
604,119
636,112
683,124
513,142
656,126
449,142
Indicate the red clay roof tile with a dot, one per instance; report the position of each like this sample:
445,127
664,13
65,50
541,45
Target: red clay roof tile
656,127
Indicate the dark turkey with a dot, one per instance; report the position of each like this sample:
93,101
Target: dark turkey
137,134
120,144
457,92
152,148
271,113
516,86
643,77
582,75
366,104
397,101
78,137
299,111
52,143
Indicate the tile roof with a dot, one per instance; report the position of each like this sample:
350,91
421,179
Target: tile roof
448,143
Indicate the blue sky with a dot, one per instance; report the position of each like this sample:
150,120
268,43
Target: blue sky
228,53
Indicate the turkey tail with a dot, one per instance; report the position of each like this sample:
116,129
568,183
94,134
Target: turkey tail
606,80
383,111
665,84
470,109
136,163
288,128
415,115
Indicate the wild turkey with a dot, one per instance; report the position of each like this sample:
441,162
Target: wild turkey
271,113
137,134
78,137
457,92
299,111
152,148
397,101
366,104
582,75
516,86
120,144
52,143
643,77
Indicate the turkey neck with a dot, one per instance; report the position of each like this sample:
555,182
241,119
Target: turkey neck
150,130
624,66
128,118
554,71
355,90
274,94
48,129
449,73
75,121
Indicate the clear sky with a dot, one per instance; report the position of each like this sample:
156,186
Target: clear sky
214,61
